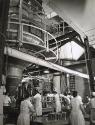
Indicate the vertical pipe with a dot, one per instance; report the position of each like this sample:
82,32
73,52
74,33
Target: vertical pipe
20,10
20,20
89,64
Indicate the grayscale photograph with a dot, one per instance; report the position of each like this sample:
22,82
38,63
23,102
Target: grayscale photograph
47,63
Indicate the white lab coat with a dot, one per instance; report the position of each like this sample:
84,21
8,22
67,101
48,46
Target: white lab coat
25,109
76,116
38,104
57,103
80,98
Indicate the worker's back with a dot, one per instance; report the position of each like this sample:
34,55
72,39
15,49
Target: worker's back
38,104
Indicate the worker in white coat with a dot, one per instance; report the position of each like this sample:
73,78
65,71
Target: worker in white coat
77,110
57,102
92,109
7,100
26,109
6,104
38,103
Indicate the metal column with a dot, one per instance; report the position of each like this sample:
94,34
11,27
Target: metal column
4,7
89,64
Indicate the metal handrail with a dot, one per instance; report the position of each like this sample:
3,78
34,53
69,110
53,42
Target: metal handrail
47,34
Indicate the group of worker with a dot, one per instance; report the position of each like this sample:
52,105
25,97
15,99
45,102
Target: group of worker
78,112
76,107
30,105
27,108
33,106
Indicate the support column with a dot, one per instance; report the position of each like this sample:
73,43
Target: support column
89,64
4,7
56,82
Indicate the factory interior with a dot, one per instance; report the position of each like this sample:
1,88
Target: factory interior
47,52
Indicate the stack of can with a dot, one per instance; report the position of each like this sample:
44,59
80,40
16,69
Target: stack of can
57,116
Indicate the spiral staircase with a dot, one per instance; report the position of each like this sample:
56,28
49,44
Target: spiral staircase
26,31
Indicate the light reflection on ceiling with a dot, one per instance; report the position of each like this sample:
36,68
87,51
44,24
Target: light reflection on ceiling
71,51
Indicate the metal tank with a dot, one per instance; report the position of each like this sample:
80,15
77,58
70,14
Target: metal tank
14,76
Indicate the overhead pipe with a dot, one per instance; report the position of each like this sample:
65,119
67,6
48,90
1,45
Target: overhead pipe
31,59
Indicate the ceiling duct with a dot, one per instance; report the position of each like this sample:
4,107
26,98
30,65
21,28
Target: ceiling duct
31,59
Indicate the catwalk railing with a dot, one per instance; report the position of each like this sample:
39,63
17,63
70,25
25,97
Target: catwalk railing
26,34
